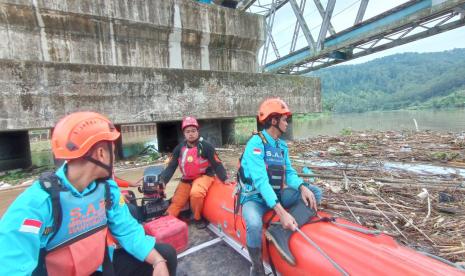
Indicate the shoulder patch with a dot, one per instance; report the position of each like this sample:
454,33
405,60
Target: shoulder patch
30,226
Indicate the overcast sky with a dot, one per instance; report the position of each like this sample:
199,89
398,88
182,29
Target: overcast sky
343,17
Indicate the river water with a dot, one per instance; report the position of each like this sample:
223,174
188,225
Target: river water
334,124
326,124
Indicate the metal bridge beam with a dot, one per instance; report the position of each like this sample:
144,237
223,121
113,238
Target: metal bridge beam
303,24
402,19
394,43
322,12
297,27
326,23
361,11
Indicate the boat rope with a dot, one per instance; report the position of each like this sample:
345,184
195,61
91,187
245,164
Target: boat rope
358,229
336,265
459,267
350,227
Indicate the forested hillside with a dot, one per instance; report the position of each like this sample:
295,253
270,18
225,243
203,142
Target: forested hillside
409,80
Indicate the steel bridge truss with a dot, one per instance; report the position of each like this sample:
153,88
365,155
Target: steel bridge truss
408,22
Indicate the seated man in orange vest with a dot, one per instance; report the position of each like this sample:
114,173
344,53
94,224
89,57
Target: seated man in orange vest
198,163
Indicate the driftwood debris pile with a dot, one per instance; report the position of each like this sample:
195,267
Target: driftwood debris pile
410,185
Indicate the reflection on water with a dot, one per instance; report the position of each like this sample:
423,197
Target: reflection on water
333,124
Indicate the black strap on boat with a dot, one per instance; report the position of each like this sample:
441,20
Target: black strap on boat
235,220
323,219
350,227
273,269
267,244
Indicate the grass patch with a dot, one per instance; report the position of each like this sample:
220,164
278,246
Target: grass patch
346,132
444,156
41,146
19,175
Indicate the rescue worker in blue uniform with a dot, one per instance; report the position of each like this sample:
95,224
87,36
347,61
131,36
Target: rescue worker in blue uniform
64,223
268,181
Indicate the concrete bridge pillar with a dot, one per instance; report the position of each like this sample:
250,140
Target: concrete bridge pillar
15,151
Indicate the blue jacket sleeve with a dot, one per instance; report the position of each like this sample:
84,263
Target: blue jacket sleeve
129,233
21,244
255,168
292,179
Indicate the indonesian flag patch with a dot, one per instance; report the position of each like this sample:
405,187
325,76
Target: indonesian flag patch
30,226
257,151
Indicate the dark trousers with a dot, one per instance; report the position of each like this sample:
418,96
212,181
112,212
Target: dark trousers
125,264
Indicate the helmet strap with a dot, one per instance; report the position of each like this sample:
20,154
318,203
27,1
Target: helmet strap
277,125
108,168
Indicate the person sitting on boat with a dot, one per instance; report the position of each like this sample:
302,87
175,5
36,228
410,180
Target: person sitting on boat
268,181
61,224
198,162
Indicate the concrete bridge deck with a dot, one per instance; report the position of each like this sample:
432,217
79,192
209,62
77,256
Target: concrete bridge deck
136,62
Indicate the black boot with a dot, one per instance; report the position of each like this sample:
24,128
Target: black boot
257,268
201,223
280,236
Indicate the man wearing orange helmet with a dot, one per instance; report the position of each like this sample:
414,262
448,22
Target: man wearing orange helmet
61,224
268,181
198,162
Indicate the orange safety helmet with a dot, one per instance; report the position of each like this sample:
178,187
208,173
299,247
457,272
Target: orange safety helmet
272,106
77,132
189,121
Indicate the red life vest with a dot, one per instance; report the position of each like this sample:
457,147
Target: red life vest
191,163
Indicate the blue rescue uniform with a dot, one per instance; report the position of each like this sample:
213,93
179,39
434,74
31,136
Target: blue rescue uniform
255,169
22,235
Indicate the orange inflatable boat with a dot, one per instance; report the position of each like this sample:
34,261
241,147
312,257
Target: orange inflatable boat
348,251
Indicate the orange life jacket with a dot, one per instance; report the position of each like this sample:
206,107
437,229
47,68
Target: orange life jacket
191,163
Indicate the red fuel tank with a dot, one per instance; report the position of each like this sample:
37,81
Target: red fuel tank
170,230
